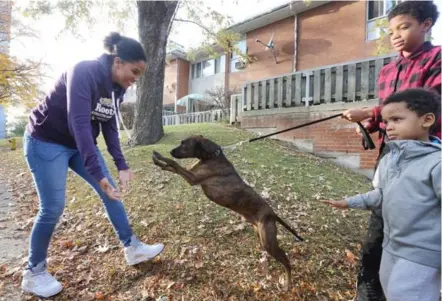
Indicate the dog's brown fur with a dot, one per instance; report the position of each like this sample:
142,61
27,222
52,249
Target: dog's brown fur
222,185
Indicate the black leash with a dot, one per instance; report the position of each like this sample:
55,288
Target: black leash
367,143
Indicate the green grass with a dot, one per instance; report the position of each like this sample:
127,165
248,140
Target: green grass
210,253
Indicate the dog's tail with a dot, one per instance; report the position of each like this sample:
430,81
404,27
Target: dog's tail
289,228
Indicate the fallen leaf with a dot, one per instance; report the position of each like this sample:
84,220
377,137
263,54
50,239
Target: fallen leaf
265,194
82,249
170,284
102,249
66,244
99,296
12,272
240,227
350,256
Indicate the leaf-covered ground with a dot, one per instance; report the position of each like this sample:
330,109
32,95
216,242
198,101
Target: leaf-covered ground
211,254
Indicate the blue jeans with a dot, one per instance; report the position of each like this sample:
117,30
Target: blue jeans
49,163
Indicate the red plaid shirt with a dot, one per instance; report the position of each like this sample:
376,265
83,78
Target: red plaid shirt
421,69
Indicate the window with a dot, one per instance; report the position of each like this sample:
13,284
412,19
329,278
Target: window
208,68
217,65
234,57
198,70
242,46
377,9
381,8
220,64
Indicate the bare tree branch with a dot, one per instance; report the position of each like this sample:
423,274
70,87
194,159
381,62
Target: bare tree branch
197,23
221,97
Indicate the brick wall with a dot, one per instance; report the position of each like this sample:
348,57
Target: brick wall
333,33
183,78
176,82
329,34
332,136
170,82
265,66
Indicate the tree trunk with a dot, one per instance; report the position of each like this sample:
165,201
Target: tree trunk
154,18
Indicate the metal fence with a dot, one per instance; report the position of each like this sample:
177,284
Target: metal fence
196,117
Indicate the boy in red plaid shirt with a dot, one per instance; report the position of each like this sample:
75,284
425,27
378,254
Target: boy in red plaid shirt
418,65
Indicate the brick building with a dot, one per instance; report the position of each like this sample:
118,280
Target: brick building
322,33
321,43
176,78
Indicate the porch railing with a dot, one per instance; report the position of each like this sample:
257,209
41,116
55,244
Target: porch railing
346,82
168,113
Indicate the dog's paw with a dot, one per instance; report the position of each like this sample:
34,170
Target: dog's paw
160,161
156,161
158,156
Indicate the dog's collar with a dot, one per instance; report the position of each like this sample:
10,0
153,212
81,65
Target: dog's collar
217,153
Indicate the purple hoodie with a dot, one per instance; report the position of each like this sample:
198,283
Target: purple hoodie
82,100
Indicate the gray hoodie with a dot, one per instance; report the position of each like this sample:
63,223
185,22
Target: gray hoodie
407,184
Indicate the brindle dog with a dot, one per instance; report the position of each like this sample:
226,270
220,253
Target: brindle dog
222,185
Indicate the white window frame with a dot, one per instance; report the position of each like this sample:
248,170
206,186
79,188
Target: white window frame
242,45
209,70
216,62
193,68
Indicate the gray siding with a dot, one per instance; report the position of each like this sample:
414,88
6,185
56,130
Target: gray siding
200,85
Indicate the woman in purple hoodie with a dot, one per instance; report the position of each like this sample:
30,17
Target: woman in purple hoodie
62,133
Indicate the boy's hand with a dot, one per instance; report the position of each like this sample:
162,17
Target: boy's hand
357,115
342,204
365,125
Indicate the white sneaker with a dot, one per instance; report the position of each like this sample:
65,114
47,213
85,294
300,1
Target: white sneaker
40,283
138,252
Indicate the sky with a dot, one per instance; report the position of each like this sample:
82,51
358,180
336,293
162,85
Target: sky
64,51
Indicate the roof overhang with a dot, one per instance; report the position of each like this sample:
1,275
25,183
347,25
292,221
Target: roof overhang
274,15
176,54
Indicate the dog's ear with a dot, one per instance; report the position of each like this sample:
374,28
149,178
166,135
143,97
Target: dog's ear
207,147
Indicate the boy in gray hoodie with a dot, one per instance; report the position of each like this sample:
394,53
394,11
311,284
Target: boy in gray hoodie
407,185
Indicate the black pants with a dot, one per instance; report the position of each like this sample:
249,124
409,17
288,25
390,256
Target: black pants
368,284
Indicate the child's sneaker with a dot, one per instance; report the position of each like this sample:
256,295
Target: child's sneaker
138,252
39,282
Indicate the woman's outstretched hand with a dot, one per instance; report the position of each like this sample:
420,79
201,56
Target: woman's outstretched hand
110,190
125,176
